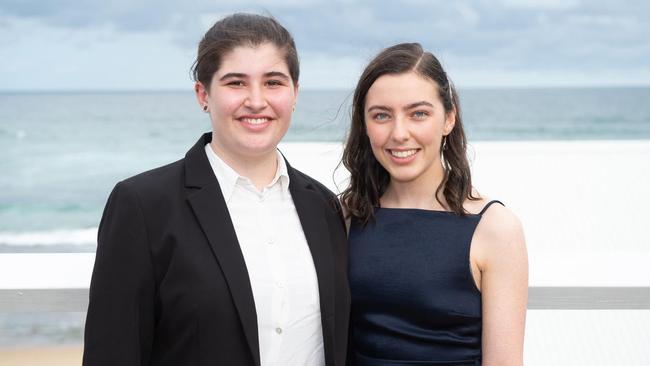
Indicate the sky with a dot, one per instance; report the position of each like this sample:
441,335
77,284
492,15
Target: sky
48,45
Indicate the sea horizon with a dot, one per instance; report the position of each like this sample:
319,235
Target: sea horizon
336,89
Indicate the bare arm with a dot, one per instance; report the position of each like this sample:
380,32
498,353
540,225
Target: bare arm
503,262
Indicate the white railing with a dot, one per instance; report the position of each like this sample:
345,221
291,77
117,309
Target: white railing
539,298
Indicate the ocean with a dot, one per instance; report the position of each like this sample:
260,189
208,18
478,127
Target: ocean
61,153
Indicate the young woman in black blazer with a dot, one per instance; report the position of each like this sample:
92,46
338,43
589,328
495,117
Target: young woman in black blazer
174,281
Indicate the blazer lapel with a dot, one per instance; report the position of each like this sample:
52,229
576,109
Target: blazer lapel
207,202
311,211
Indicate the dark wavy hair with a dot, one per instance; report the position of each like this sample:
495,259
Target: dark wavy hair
369,180
242,29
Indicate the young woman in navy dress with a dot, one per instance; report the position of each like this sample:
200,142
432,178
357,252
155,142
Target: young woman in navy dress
438,273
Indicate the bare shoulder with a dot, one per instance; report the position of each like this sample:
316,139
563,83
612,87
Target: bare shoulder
500,221
499,234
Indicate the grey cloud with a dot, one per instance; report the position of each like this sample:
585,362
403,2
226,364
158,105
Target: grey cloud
507,34
80,14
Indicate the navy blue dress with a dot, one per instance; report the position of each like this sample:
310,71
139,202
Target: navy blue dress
414,301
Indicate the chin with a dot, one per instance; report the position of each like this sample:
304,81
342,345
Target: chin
259,148
403,177
396,171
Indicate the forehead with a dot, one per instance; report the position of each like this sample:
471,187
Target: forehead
253,60
402,89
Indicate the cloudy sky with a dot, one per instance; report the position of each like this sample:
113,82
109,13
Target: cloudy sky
150,45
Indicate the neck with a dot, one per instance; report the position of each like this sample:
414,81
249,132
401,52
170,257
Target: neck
417,193
260,169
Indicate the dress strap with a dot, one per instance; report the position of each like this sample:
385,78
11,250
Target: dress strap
488,206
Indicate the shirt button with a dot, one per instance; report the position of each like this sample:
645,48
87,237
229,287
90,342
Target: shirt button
279,284
270,242
278,330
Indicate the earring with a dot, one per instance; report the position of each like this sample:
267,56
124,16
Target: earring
444,142
205,108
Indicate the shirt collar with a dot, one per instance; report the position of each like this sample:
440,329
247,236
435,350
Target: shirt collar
228,178
282,173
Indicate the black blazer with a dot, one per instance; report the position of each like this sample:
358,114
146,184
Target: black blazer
170,285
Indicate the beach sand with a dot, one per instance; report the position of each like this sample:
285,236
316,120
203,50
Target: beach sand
69,355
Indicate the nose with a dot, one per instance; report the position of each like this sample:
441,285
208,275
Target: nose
400,131
255,100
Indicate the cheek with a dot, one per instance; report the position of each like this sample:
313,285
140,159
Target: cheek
376,135
282,102
227,103
428,134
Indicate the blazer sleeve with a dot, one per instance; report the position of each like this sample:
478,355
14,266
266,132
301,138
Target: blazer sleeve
120,321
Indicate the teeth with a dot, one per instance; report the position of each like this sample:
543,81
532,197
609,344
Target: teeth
255,121
403,153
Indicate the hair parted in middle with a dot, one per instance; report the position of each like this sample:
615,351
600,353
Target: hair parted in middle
369,180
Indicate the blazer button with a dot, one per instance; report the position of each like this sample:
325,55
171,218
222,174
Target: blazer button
278,330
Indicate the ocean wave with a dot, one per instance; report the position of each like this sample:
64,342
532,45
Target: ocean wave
50,237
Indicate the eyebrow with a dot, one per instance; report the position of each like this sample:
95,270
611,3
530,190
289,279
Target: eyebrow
276,74
419,104
410,106
239,75
380,107
232,75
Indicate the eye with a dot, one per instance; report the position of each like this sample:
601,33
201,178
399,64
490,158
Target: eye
380,117
235,83
420,114
274,83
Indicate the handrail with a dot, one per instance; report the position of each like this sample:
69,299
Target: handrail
539,298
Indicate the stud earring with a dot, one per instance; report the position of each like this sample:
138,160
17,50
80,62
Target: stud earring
205,108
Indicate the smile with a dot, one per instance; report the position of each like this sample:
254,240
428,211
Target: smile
403,153
254,121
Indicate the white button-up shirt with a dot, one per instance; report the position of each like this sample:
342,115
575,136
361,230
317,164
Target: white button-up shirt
279,263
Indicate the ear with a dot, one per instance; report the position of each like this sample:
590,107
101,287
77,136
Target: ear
450,122
201,93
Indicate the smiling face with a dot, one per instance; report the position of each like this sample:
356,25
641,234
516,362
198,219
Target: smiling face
406,121
250,101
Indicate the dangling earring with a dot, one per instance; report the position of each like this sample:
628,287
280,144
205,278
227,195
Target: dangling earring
443,159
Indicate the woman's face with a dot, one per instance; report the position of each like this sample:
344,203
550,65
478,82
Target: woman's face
405,121
250,101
